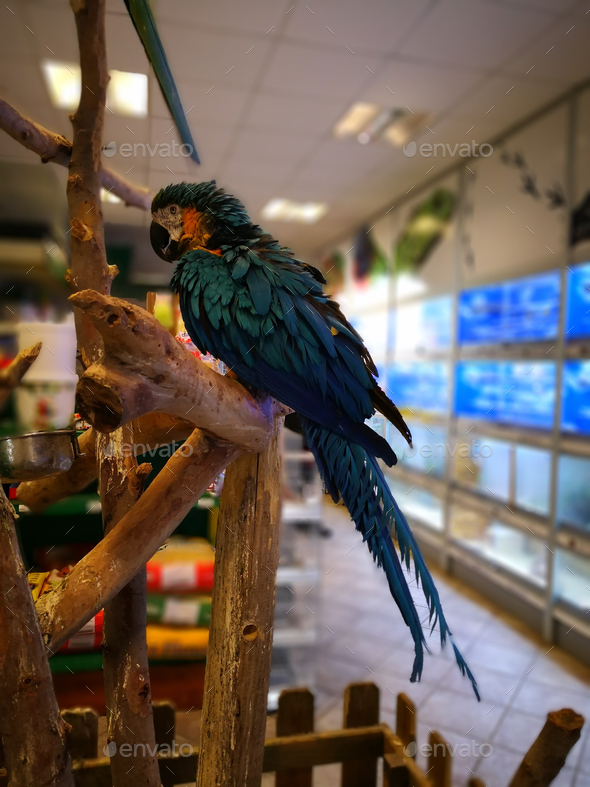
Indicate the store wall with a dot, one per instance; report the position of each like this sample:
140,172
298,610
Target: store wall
473,299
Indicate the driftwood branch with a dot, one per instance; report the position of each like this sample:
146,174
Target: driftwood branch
88,266
125,664
547,755
240,637
58,149
13,374
144,369
150,432
102,573
32,731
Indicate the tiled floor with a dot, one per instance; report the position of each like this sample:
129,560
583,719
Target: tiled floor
364,638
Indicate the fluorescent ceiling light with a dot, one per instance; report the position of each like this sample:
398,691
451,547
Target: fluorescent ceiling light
108,196
287,210
355,119
127,92
63,83
368,122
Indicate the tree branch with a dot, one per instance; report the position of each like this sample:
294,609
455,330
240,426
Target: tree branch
547,755
129,545
58,149
150,432
13,374
144,369
35,753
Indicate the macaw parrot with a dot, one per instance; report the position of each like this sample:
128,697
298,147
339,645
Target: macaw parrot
246,300
143,21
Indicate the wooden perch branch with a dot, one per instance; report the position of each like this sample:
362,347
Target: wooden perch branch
89,266
242,615
58,149
150,432
125,664
145,369
13,374
32,731
129,545
547,755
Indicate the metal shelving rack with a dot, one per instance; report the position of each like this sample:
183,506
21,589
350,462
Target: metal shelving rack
297,612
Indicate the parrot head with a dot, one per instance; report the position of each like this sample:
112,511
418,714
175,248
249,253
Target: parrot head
189,216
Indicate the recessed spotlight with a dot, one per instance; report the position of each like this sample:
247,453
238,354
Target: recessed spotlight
127,92
287,210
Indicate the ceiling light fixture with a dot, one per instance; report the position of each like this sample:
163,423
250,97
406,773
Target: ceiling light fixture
127,92
288,210
369,122
355,119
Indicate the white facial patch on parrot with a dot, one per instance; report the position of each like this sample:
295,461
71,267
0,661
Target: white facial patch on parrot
170,218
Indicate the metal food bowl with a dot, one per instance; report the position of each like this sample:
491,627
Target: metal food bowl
28,457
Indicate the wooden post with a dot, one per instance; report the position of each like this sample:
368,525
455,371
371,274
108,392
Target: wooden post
546,757
405,724
125,663
361,709
32,731
295,716
240,638
440,761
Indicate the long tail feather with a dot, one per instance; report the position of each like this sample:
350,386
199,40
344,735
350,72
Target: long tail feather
350,473
143,20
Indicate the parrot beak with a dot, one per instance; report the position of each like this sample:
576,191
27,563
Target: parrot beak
162,243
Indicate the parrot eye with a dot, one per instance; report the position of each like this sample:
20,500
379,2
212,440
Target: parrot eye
173,209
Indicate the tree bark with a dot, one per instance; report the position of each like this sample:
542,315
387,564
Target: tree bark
145,369
125,663
89,266
13,374
240,634
547,755
32,731
102,573
58,149
150,432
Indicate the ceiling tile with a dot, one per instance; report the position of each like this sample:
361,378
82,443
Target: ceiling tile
560,55
263,145
342,162
223,104
316,71
230,15
474,32
422,88
295,114
211,139
269,172
378,26
219,59
503,97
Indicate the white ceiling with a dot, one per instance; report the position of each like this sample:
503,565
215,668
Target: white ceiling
269,78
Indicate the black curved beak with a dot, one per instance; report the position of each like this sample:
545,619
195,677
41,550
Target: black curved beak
162,243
